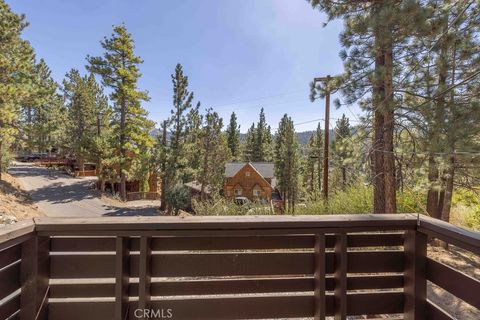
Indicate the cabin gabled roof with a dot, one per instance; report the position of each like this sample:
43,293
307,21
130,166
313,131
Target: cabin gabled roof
265,169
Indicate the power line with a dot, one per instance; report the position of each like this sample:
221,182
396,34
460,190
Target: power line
260,98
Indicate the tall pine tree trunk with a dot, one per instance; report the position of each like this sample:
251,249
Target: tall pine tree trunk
1,158
433,192
123,152
378,143
163,202
449,178
389,127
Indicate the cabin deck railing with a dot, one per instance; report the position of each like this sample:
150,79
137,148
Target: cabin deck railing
249,267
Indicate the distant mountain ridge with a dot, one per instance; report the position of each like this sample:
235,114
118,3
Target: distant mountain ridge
302,137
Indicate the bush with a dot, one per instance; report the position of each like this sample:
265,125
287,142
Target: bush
358,199
466,208
224,207
355,199
177,198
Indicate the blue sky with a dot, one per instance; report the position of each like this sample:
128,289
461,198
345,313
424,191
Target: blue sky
239,55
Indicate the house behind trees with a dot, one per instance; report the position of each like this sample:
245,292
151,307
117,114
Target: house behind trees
253,180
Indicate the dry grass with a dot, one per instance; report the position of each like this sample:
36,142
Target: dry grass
14,201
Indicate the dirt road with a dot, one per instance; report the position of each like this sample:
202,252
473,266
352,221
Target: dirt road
59,195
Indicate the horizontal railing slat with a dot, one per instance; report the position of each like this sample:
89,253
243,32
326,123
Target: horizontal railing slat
181,287
375,261
10,255
436,313
374,303
9,280
228,243
374,282
209,308
10,307
229,264
79,244
15,233
80,310
455,282
281,307
375,240
379,221
82,266
82,244
468,240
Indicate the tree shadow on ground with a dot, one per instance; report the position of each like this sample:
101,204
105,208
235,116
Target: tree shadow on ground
132,212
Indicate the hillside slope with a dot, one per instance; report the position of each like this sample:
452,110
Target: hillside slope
15,204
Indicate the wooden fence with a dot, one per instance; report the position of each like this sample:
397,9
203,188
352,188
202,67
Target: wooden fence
228,267
86,173
132,196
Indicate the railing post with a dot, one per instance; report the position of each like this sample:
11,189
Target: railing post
34,277
122,271
415,284
340,276
144,274
319,275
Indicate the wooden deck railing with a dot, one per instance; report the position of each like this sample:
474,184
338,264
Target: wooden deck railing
228,267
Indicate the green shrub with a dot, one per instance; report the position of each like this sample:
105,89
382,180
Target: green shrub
359,199
355,199
224,207
411,201
467,208
177,198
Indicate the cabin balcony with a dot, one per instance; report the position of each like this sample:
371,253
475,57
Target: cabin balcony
251,267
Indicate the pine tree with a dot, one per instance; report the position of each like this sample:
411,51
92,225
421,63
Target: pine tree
341,146
375,34
311,172
119,70
287,162
440,96
193,132
182,102
16,65
80,102
233,137
213,153
88,117
249,144
319,154
161,152
43,111
262,147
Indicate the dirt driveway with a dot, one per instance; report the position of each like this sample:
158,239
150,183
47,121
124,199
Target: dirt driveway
59,195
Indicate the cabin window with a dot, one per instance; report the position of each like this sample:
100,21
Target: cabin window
247,174
257,193
238,192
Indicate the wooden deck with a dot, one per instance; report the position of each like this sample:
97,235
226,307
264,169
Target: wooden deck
252,267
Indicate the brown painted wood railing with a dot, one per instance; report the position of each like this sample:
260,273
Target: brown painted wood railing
228,267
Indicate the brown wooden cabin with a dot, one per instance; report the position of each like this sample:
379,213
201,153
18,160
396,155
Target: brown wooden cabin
253,180
134,186
195,189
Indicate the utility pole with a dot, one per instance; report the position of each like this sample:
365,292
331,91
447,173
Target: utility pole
325,80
